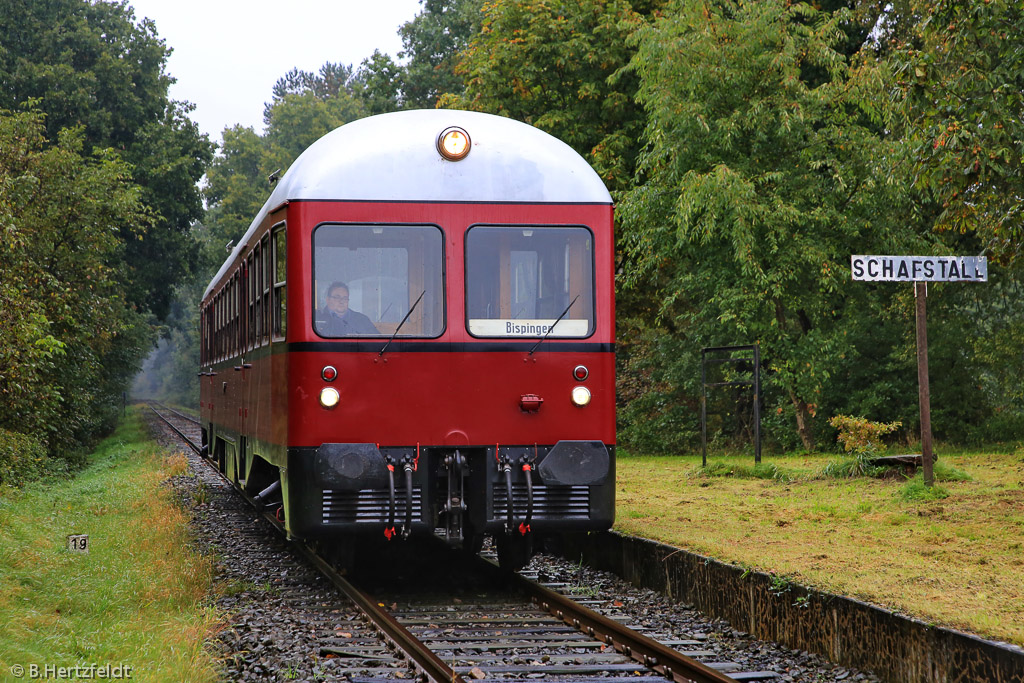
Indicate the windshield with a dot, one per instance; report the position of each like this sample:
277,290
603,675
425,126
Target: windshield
519,280
366,278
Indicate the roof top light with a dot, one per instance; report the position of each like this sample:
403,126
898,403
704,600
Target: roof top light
453,143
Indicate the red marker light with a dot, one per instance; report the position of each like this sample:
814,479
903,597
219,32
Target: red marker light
581,372
329,373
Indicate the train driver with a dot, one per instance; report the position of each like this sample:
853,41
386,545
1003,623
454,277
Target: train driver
338,320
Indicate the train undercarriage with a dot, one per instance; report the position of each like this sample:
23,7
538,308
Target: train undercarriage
344,493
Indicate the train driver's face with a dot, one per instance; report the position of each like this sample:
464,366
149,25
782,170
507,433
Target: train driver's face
337,301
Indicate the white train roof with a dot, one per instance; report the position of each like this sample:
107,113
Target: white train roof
393,157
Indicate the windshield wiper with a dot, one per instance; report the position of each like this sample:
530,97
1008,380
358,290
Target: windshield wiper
395,333
553,326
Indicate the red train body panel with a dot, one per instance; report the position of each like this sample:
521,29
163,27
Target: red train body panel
487,374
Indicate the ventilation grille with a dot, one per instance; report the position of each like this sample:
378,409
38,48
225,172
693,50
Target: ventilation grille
368,506
549,502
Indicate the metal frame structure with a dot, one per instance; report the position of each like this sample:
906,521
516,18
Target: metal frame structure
755,382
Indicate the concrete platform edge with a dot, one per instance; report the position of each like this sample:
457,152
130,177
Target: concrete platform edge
897,648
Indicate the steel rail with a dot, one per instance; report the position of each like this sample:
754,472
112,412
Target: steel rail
674,665
180,414
652,654
422,657
180,434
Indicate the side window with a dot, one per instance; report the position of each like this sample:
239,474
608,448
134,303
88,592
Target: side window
202,336
243,306
216,327
257,284
236,312
267,275
250,289
280,279
231,316
223,305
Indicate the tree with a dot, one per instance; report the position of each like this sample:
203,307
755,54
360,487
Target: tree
556,65
380,84
70,339
756,186
960,80
89,64
432,42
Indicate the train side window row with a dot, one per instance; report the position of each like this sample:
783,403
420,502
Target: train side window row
368,279
249,310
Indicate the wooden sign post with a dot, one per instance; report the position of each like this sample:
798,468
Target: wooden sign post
924,397
921,270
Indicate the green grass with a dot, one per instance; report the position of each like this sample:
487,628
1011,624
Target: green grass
915,490
761,470
955,560
137,599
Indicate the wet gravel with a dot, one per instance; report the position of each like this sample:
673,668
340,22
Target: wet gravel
283,621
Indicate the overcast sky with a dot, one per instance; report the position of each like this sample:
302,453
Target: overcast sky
229,53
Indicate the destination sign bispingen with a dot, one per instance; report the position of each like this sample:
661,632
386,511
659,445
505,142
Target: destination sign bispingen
920,268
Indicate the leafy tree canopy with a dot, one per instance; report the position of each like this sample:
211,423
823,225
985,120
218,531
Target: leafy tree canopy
960,79
432,42
90,65
554,64
70,340
757,185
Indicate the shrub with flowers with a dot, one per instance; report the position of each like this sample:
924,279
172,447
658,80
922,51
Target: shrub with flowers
862,438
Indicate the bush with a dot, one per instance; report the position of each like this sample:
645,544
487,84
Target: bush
857,466
860,437
22,458
946,472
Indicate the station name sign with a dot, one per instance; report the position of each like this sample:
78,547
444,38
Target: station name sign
920,268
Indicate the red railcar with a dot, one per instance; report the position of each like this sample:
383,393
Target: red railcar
416,336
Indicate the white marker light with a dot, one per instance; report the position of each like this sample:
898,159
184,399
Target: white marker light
329,397
580,396
453,143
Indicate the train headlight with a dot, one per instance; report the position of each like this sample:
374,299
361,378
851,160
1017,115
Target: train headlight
329,397
453,143
580,396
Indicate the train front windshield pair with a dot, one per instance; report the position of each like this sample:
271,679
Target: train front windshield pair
531,281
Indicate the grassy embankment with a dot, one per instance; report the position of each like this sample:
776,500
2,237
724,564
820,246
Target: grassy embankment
957,561
137,599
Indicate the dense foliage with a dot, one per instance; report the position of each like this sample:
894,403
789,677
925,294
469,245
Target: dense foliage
89,64
71,340
556,65
752,148
960,78
98,173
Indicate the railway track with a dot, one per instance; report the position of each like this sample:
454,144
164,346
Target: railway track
469,621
